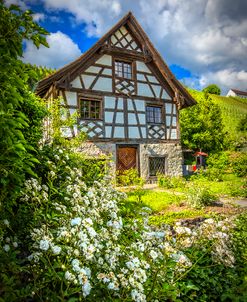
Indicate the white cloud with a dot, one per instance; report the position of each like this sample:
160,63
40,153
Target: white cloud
38,17
62,50
97,14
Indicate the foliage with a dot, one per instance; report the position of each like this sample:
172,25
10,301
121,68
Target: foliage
242,126
211,89
239,163
201,125
198,197
169,182
21,114
80,248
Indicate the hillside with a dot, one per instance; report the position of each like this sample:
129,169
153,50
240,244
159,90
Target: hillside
233,110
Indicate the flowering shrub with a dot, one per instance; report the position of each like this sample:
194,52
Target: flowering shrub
199,197
81,247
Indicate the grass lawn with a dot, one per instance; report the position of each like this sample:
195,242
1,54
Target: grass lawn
169,205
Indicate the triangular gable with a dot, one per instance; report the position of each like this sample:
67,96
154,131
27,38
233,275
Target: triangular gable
139,43
122,38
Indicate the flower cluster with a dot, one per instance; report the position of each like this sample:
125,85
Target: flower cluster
98,249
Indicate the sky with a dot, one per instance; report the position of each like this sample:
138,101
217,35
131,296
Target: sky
202,41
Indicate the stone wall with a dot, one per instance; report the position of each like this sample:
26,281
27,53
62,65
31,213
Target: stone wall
171,151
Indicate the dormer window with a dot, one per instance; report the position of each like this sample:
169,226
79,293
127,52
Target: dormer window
123,69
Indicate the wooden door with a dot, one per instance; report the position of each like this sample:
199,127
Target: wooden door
126,158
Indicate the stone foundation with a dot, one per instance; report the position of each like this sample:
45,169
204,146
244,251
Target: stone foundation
171,151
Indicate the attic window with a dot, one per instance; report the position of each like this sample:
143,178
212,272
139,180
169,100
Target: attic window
123,69
90,108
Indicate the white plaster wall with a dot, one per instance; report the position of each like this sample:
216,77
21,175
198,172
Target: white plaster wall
119,118
87,80
71,98
119,132
134,132
103,84
165,95
93,69
132,118
109,117
76,83
168,108
140,66
109,102
144,90
140,105
105,60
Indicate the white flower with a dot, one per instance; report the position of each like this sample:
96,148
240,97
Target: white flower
153,254
86,288
6,247
90,194
6,222
75,221
56,249
15,244
138,297
44,245
68,276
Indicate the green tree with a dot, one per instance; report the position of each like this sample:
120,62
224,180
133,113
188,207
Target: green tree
201,125
20,111
211,89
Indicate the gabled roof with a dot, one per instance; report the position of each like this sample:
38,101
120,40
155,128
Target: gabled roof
239,92
182,97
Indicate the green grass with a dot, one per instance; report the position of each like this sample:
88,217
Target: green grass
158,201
227,187
169,206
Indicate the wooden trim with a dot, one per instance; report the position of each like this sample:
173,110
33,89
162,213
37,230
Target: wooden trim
68,112
105,93
125,107
137,118
114,119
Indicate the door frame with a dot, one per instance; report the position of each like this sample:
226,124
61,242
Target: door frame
137,147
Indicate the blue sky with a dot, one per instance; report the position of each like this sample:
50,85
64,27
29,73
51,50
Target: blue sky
203,41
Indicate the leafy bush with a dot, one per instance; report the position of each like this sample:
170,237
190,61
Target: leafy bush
239,163
72,243
198,197
212,89
169,182
21,113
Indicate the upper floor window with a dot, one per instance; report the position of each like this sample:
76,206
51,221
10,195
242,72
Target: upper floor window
154,114
90,108
123,69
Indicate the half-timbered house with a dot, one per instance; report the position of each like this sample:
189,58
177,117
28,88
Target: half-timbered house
128,101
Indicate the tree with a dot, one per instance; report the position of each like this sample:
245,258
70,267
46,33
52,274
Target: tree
211,89
201,125
20,111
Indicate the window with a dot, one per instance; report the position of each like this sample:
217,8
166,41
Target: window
123,70
154,115
156,166
90,109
